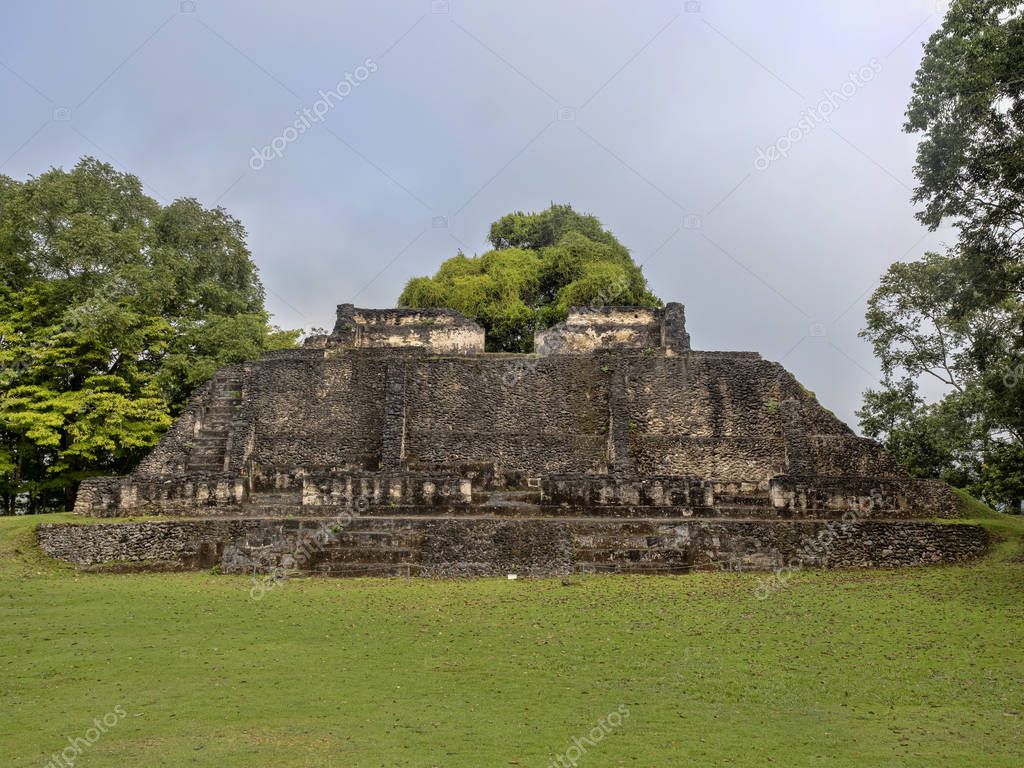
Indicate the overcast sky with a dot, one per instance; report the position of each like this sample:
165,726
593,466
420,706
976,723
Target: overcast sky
749,153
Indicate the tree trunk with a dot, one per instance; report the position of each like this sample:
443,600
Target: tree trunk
70,492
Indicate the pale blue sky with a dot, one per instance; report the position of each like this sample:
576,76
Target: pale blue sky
649,114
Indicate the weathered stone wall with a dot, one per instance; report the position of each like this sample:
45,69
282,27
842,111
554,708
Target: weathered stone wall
593,329
317,412
583,492
433,330
888,497
722,417
470,491
590,330
475,547
386,489
553,419
186,495
640,420
705,414
717,416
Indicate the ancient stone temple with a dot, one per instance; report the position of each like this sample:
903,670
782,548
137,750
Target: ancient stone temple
396,445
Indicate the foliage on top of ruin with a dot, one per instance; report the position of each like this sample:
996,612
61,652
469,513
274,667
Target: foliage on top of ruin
541,264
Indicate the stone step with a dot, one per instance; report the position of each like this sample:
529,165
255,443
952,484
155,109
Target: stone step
289,505
744,511
634,552
510,508
367,555
386,569
208,444
207,459
208,452
368,569
206,462
520,494
360,541
625,513
205,439
365,552
215,430
219,412
654,557
216,422
745,501
641,569
528,500
275,499
206,465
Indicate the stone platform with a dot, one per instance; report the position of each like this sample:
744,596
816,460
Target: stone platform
431,545
397,446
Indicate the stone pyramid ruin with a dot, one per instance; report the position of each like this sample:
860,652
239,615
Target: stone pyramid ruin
397,446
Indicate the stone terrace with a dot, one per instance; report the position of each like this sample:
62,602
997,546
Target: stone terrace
397,446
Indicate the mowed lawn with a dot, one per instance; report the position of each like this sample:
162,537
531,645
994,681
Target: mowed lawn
921,667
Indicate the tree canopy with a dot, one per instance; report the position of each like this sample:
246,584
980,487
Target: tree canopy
113,309
541,264
958,317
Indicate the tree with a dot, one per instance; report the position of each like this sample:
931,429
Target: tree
113,309
958,317
541,264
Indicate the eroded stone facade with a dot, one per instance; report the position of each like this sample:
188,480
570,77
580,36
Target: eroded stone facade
615,447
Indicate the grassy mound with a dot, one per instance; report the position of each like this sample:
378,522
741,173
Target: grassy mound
919,667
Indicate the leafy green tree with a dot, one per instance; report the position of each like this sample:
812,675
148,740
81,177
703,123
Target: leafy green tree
541,264
968,104
113,309
958,317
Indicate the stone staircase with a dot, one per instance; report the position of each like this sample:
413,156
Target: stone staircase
209,447
504,530
280,504
515,503
411,546
389,541
756,506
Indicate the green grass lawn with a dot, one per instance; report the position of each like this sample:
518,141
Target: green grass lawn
920,667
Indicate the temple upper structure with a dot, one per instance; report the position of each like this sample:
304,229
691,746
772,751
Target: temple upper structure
428,330
594,329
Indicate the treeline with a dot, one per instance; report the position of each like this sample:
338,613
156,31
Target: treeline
957,317
113,308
